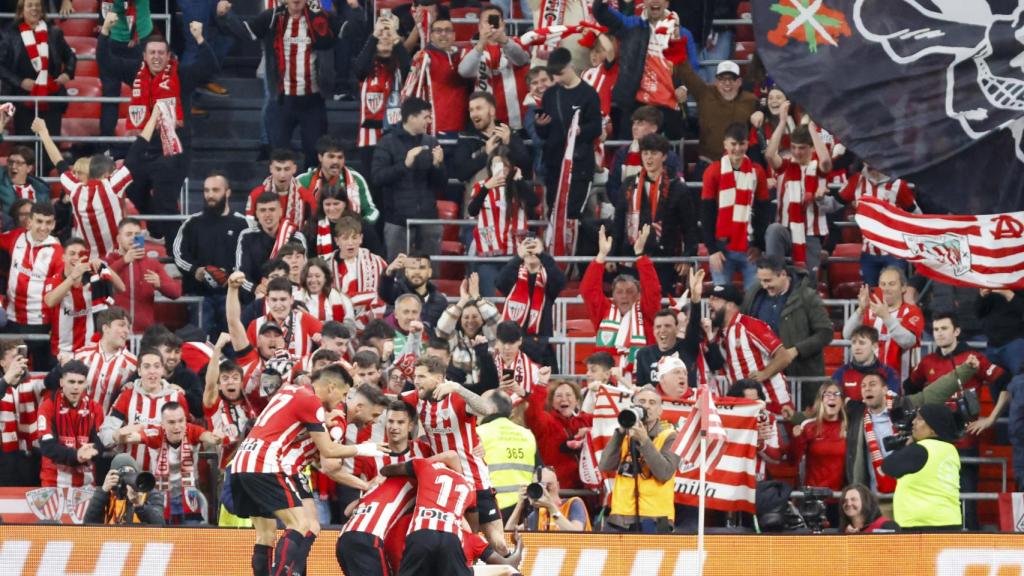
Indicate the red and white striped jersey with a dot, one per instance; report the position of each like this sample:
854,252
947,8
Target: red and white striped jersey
284,424
108,373
97,207
889,352
299,77
19,415
748,345
24,192
230,420
72,427
31,264
792,188
135,406
896,192
381,507
526,373
448,425
298,331
442,497
72,317
367,467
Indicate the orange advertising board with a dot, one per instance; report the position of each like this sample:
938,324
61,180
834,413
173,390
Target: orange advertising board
131,551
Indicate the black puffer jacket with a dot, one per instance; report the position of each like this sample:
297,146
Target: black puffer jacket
633,42
406,192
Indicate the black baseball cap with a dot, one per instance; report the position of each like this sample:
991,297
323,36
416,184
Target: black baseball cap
727,292
271,325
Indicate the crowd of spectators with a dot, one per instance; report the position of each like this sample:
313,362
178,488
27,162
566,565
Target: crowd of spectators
322,267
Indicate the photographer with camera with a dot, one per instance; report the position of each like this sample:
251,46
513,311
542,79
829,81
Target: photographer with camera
544,509
927,472
640,453
881,421
124,496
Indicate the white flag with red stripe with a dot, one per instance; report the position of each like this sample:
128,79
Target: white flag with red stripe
982,251
561,231
731,483
704,419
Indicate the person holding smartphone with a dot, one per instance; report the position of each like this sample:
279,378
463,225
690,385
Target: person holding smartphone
141,275
20,396
491,60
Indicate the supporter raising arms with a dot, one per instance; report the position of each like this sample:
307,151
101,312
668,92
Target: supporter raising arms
625,321
532,281
83,289
498,65
899,324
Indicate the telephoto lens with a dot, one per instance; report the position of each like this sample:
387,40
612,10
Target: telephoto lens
534,490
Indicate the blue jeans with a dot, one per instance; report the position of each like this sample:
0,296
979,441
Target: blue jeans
1010,356
721,51
269,111
214,321
323,510
736,262
506,8
203,11
871,266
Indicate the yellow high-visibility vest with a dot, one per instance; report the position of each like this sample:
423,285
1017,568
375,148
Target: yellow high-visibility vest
511,454
657,499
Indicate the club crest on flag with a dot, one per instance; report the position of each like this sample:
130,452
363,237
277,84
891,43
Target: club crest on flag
46,503
808,21
949,249
76,503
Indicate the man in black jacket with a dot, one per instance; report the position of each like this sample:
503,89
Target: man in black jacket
562,100
156,185
204,250
408,169
518,280
256,245
411,275
477,142
131,507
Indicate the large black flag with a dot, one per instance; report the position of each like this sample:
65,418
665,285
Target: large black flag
929,90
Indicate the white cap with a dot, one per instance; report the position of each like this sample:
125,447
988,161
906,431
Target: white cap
727,67
668,364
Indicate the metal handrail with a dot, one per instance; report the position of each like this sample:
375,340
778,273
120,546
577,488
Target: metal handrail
101,99
78,16
99,139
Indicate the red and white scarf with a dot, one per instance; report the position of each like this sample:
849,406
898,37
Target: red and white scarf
526,372
129,15
419,84
623,332
640,189
149,91
798,185
735,200
360,284
632,164
523,306
886,484
295,205
664,50
561,231
285,231
37,46
374,90
550,34
324,238
500,218
186,465
329,304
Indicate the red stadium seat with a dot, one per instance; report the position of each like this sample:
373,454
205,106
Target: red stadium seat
448,210
85,28
122,127
844,277
86,6
448,286
452,269
87,69
744,50
82,45
464,31
84,87
580,327
122,108
80,126
744,32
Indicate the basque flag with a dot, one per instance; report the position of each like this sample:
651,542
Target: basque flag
927,90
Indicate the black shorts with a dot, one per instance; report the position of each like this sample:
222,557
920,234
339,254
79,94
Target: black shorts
261,494
360,553
486,507
430,552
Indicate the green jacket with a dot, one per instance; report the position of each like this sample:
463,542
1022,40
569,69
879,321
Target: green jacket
143,22
856,446
367,209
804,324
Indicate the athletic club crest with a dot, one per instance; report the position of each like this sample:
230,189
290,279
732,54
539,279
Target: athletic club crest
948,250
374,102
46,503
76,503
137,113
984,83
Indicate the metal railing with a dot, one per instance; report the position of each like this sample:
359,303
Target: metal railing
56,17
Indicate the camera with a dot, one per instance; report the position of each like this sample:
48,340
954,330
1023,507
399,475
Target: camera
902,427
535,490
812,507
139,481
630,416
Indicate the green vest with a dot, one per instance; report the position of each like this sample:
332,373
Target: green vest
930,496
143,22
511,454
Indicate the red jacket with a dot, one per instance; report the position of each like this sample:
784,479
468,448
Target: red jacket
449,89
552,430
598,305
826,454
138,296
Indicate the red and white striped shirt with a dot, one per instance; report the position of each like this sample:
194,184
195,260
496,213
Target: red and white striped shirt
793,190
299,77
381,507
368,468
98,207
24,192
525,371
506,82
442,497
31,264
299,329
73,315
19,415
889,352
284,424
896,192
448,425
135,406
108,373
71,427
748,345
230,420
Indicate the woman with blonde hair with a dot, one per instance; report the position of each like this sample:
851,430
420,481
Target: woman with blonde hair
823,441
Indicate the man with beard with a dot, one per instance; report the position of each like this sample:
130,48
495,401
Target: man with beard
411,275
204,250
750,348
477,142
